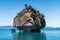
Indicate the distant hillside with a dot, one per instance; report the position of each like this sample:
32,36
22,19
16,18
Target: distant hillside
5,27
50,28
46,28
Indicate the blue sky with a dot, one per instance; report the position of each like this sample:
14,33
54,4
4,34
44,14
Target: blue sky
50,8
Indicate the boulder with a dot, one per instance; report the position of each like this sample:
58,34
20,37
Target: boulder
29,20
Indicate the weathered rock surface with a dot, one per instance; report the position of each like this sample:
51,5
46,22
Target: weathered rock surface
29,19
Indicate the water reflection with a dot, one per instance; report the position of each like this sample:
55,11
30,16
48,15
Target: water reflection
29,36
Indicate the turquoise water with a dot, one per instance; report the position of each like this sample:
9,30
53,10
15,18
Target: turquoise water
7,34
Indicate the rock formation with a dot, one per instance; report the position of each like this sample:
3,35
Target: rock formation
29,19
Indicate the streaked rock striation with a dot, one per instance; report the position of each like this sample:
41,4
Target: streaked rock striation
29,19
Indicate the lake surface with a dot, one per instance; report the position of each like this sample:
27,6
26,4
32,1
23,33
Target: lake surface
7,34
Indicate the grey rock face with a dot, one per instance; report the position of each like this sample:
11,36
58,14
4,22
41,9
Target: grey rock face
29,19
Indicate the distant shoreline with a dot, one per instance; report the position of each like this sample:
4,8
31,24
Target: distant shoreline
46,28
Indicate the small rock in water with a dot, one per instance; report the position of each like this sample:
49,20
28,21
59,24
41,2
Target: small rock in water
13,30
